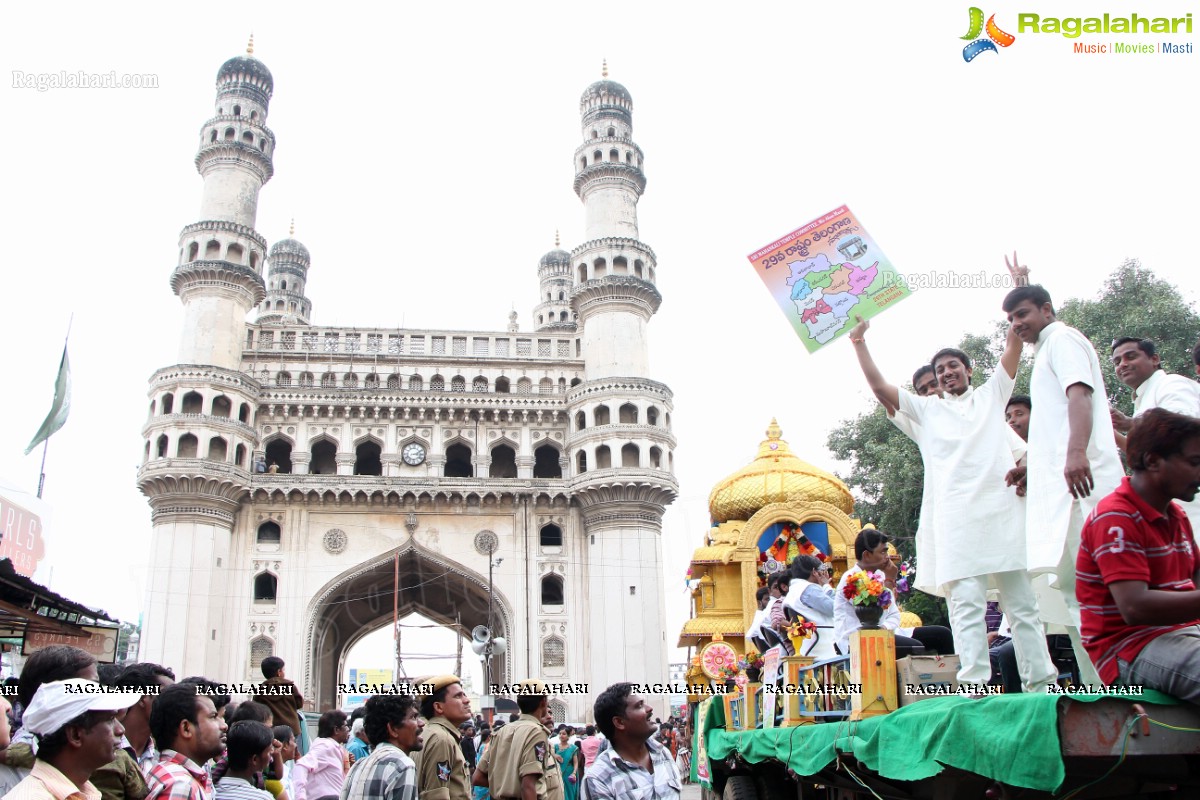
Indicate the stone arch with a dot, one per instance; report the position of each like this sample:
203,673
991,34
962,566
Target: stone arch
266,587
368,453
322,455
631,455
601,415
167,403
187,446
554,657
524,386
550,535
278,451
193,403
268,533
552,590
547,463
459,460
359,601
222,406
218,449
504,460
603,457
502,385
627,414
161,446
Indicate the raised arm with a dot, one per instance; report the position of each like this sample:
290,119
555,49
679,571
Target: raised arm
1010,359
886,393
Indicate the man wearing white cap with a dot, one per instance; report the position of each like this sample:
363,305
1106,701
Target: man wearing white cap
75,721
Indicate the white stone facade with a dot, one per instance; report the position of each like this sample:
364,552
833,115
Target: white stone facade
423,453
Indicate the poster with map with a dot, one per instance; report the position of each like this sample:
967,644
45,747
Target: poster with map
825,273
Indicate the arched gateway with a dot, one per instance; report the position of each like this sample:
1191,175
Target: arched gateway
360,601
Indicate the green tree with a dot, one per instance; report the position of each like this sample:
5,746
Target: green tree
885,472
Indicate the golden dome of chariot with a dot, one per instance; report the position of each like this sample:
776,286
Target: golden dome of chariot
776,475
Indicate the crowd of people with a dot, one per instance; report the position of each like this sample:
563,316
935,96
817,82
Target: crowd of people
1026,495
134,733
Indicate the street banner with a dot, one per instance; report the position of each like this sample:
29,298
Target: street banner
23,520
826,273
100,642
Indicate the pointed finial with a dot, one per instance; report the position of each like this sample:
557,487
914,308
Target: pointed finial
604,69
292,228
250,46
556,240
773,430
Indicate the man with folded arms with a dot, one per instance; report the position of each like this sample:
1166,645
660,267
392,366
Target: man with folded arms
77,730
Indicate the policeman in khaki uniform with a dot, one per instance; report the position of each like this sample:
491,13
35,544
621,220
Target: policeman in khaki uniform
443,773
519,763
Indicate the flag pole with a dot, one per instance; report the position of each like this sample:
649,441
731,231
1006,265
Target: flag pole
46,444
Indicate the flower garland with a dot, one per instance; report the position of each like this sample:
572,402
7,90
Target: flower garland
864,588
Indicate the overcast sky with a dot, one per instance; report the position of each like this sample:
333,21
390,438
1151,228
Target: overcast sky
426,153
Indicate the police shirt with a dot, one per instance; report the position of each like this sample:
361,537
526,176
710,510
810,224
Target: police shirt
520,748
442,774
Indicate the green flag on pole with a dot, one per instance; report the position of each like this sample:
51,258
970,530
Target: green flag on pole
62,405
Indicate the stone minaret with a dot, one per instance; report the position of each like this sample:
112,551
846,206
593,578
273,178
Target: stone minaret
288,271
620,444
201,432
553,311
219,277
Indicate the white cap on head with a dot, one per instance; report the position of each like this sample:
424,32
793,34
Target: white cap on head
58,702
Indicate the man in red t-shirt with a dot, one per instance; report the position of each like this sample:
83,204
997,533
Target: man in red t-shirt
1137,568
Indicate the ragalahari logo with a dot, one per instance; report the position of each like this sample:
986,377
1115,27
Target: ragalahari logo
995,36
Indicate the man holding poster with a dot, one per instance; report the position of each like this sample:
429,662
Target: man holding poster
970,535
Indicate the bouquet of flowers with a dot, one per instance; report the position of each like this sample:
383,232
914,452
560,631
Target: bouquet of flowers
800,628
906,571
751,660
864,588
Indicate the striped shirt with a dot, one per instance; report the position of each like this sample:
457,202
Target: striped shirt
231,788
613,778
177,777
45,782
387,774
1124,539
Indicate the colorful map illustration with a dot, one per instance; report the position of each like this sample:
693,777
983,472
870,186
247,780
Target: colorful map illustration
826,273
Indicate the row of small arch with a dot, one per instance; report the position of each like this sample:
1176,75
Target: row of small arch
368,459
614,157
415,383
233,252
620,266
193,403
247,137
269,533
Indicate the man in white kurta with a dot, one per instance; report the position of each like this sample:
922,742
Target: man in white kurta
1072,457
969,536
1139,367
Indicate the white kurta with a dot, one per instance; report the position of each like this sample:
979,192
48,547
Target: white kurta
970,521
821,646
1174,393
1063,357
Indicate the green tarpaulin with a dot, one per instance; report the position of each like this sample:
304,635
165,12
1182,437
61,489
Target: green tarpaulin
1010,738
